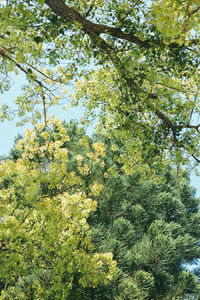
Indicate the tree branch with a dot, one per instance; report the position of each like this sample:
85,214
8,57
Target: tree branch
4,54
61,9
192,12
132,203
94,30
197,159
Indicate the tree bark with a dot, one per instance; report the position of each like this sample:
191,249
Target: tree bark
62,10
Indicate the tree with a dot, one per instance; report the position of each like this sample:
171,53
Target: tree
45,244
150,48
152,229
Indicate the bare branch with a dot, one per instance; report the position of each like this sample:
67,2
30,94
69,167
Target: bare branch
4,54
197,159
40,72
44,109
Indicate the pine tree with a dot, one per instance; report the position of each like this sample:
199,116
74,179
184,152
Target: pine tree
152,230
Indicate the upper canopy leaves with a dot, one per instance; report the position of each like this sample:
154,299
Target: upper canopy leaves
151,47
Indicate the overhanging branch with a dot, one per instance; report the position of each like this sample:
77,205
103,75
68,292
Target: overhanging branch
62,10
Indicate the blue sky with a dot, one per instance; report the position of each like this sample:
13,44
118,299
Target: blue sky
9,130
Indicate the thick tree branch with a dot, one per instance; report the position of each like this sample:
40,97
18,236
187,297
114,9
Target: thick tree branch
62,10
167,120
94,30
71,15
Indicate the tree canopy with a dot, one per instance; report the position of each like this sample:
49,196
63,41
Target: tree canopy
148,85
106,216
132,241
45,243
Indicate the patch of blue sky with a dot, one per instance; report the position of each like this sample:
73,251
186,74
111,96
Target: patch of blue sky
9,130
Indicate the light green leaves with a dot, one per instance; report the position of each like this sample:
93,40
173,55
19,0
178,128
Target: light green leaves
44,226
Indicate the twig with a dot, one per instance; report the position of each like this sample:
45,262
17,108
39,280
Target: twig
197,159
192,12
37,70
4,54
132,203
44,109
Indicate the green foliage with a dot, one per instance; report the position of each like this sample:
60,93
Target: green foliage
144,88
45,243
148,86
151,229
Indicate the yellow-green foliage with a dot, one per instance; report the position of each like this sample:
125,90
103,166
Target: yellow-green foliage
46,231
